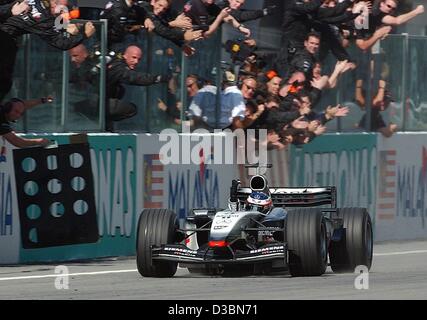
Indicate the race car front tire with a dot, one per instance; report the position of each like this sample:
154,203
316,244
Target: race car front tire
307,242
355,248
155,227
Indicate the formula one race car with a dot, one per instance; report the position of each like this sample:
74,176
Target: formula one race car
264,229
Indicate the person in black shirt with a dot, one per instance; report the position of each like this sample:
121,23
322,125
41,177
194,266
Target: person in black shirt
380,21
12,8
121,14
174,30
84,82
40,19
121,71
207,16
246,15
381,16
14,110
296,25
328,20
304,60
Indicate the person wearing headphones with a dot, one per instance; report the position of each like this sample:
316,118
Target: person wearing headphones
12,111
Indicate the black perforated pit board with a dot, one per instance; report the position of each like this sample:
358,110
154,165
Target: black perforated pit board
55,195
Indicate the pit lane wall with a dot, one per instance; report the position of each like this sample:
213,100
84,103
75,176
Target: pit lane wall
388,176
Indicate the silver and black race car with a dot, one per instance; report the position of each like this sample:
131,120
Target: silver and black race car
240,238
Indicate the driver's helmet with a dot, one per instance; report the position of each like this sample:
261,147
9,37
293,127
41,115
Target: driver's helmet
259,201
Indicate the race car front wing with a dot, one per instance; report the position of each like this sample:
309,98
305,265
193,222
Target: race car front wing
181,253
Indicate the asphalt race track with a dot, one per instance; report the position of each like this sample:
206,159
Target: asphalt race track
399,272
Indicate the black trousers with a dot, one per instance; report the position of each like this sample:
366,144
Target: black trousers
287,51
118,110
331,42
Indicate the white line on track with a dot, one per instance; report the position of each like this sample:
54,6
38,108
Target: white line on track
69,274
135,270
399,253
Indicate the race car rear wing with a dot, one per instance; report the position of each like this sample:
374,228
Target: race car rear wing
297,197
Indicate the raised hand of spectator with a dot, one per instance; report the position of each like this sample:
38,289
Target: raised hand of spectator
250,42
161,105
273,137
348,66
273,141
182,21
300,123
191,35
245,31
276,146
362,6
337,111
383,32
73,29
257,114
320,83
224,13
420,9
393,127
20,7
149,25
340,65
330,112
320,130
188,51
89,29
313,125
342,111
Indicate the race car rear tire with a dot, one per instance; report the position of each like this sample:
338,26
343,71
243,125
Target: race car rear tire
356,245
307,242
155,227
